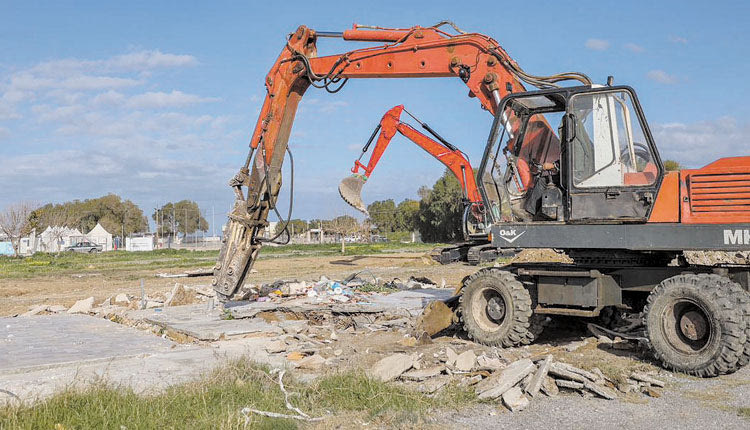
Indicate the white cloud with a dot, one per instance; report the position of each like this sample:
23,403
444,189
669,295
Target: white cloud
149,60
678,39
698,144
662,77
4,133
155,100
597,44
632,47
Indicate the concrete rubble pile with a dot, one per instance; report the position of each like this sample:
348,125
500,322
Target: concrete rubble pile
351,289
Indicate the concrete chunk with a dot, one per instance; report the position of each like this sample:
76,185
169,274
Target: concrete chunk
275,346
82,306
503,380
391,367
466,361
451,356
538,379
514,400
35,310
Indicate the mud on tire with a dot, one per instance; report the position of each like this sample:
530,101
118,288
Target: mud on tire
511,321
695,324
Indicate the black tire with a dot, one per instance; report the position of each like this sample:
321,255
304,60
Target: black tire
517,325
742,298
695,325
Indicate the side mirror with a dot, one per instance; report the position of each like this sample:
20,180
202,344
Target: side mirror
570,127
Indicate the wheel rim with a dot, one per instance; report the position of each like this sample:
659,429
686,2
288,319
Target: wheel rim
687,327
490,309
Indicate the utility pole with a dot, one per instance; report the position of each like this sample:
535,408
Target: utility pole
185,224
213,221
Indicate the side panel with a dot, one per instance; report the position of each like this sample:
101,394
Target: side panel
634,237
717,193
667,204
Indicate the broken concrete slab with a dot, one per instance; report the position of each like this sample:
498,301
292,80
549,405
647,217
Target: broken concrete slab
503,380
556,369
565,383
82,306
489,363
465,361
276,346
642,377
196,322
450,356
535,384
433,385
121,299
35,310
599,390
514,400
391,367
312,362
588,375
422,374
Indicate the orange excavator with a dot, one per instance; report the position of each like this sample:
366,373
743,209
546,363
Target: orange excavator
573,167
351,187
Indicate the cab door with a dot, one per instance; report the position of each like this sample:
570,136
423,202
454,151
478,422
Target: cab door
613,168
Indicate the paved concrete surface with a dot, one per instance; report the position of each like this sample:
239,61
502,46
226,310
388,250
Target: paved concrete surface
41,355
42,341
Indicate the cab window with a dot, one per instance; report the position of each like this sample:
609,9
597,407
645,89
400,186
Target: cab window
608,146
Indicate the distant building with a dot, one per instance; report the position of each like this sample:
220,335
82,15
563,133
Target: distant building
56,239
140,243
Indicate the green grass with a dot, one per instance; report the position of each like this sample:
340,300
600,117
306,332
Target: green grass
216,401
42,264
743,412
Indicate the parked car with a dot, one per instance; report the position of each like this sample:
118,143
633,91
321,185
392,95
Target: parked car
85,247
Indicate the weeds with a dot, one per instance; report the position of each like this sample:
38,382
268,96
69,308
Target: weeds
216,401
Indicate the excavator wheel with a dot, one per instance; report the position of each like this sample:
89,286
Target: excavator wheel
695,324
496,309
743,301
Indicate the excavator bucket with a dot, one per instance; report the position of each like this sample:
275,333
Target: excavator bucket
350,189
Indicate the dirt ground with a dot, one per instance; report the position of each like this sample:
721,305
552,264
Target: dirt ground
18,295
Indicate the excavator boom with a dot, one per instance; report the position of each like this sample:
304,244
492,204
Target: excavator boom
478,60
351,187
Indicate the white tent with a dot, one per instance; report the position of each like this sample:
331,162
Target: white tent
100,236
56,238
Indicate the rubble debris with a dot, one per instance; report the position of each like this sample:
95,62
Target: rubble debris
535,384
82,306
515,400
564,383
652,392
489,363
600,390
433,385
503,380
391,367
56,309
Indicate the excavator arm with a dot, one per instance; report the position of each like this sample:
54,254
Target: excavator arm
478,60
351,187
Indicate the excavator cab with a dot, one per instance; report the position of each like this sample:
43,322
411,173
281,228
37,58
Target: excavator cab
573,155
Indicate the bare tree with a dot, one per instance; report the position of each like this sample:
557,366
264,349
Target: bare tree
14,221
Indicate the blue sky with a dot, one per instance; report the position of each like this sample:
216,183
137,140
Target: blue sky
156,101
